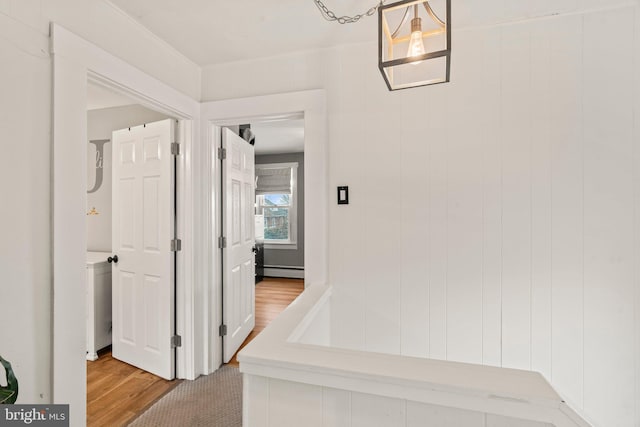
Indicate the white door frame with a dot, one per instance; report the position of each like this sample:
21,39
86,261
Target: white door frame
312,104
75,62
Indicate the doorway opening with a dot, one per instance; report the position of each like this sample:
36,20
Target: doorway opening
277,215
311,107
110,114
280,195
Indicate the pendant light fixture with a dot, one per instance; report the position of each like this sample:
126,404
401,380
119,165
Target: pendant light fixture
417,51
411,52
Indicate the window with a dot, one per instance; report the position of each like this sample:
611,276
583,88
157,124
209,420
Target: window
276,209
276,193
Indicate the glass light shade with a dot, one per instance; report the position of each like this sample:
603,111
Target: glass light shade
416,33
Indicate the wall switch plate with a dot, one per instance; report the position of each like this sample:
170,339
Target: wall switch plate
343,195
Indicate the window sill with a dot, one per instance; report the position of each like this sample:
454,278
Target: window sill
278,245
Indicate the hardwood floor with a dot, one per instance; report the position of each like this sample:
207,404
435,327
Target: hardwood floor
117,392
272,297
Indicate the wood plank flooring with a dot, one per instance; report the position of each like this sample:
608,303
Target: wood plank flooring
272,297
117,392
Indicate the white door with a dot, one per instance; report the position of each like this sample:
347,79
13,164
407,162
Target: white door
238,277
143,227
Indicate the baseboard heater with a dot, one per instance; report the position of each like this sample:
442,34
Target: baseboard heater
289,272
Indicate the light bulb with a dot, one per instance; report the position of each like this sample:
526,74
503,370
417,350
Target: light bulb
416,46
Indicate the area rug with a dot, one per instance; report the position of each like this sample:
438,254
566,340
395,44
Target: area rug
214,400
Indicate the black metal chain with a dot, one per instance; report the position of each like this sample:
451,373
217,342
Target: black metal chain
330,16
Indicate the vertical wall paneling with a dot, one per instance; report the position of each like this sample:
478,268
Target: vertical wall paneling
414,290
381,199
437,222
368,410
464,203
541,98
636,183
294,404
347,258
567,207
515,134
336,408
291,404
608,217
491,202
255,396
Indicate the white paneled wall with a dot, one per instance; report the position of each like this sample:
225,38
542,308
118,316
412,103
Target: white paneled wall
566,249
514,133
494,219
278,403
608,215
496,223
491,202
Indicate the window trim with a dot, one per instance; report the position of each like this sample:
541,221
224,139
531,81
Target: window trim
292,243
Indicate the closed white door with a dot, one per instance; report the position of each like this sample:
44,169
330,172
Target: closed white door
238,276
143,228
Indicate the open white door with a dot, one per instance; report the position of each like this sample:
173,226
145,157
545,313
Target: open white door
143,229
238,278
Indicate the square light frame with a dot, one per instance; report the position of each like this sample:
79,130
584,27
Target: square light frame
383,32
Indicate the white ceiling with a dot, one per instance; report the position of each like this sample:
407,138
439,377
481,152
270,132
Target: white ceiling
218,31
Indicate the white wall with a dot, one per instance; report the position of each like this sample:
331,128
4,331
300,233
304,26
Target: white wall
25,266
25,171
100,124
494,219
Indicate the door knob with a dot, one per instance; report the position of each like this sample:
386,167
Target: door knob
113,259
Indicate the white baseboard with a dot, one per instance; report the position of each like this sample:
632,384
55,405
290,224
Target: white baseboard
289,272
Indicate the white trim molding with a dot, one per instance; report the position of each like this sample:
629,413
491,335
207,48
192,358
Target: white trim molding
284,271
271,244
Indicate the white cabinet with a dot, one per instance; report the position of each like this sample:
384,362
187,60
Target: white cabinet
98,303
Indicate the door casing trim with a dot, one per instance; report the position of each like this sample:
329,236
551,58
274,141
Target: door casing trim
75,63
311,104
